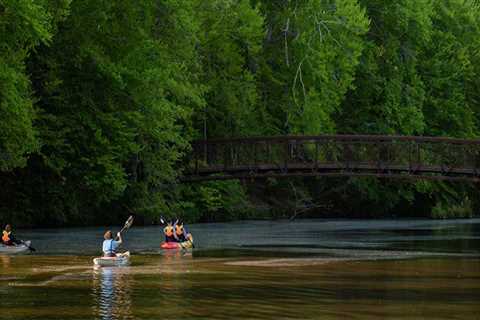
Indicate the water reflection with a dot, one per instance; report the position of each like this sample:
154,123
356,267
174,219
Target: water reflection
112,293
174,265
6,260
172,256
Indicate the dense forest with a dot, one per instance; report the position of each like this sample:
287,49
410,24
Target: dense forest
100,100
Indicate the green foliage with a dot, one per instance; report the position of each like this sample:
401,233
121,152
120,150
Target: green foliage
229,45
327,52
99,100
449,70
389,92
311,53
89,95
450,210
23,26
216,200
114,100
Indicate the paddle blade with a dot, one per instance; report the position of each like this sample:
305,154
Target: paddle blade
129,222
32,249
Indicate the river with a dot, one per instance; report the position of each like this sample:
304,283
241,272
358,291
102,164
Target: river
305,269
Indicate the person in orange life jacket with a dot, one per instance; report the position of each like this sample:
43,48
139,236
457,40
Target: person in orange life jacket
181,234
111,245
8,238
169,233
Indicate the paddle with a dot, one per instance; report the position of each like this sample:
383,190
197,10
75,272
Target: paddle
163,221
32,249
127,225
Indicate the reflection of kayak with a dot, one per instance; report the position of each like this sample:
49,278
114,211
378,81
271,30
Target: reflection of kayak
121,259
19,248
177,245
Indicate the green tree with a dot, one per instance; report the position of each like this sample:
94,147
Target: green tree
312,50
230,38
449,70
23,26
115,95
388,93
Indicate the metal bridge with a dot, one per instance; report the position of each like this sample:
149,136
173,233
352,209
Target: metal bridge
335,155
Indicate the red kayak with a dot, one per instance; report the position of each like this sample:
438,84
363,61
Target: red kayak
176,245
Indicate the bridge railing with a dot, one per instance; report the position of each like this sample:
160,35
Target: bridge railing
336,155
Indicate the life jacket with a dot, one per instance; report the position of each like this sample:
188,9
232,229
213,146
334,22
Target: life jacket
180,233
6,237
168,231
109,248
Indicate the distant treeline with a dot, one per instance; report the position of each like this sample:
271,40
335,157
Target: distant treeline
100,99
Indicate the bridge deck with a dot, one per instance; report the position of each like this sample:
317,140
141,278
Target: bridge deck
380,156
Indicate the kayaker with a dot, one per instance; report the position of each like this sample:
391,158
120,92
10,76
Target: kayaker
111,245
168,231
181,234
8,238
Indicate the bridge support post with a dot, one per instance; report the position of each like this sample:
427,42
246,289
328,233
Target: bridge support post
195,146
225,157
255,160
287,154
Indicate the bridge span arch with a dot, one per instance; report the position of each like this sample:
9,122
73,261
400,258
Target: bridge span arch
335,155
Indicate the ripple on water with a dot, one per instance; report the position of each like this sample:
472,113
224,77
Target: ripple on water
287,262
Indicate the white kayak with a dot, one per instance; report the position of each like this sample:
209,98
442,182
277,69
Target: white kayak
121,259
18,248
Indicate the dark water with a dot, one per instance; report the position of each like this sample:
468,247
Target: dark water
316,269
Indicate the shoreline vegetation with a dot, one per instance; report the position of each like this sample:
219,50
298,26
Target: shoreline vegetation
100,100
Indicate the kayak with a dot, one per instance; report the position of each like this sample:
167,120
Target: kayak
121,259
18,248
177,245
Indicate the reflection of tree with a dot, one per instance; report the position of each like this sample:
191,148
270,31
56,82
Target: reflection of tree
457,237
112,293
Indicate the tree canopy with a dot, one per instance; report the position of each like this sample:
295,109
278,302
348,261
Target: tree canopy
99,100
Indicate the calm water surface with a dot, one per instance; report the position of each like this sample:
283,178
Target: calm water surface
308,269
